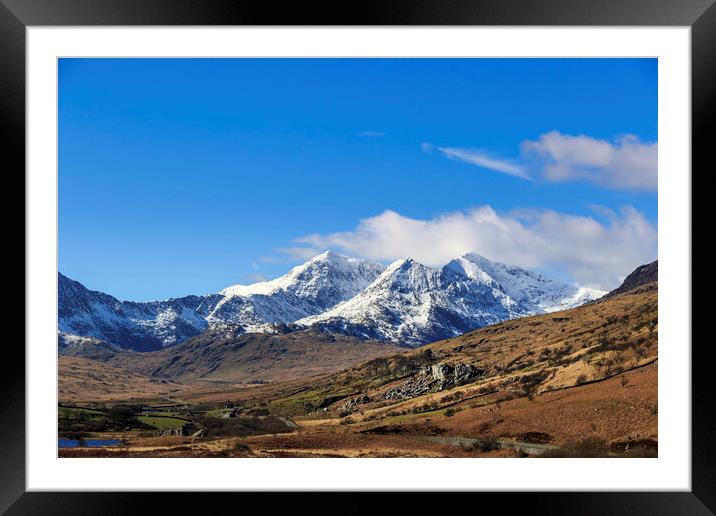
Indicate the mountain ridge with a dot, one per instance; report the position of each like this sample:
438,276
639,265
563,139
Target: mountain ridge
148,326
406,302
643,275
414,304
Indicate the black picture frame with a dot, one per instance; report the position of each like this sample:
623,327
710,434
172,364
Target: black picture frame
700,15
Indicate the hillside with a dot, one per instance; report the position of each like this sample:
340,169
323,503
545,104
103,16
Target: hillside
522,364
224,354
645,277
579,382
82,379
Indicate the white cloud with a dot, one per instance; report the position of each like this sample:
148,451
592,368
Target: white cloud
482,159
625,164
595,254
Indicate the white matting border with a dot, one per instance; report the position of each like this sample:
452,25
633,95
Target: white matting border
671,471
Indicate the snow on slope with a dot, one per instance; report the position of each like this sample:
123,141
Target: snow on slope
533,289
139,326
308,289
413,304
406,302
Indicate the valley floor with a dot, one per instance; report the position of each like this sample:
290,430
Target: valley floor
620,410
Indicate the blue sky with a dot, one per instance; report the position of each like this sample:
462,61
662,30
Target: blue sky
181,176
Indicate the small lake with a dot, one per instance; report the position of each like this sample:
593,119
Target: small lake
86,443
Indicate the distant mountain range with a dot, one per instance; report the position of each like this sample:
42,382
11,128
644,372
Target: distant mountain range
406,303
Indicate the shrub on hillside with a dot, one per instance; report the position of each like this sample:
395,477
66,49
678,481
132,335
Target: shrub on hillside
589,447
242,425
488,443
239,446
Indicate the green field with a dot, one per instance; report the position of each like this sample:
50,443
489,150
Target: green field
73,413
161,422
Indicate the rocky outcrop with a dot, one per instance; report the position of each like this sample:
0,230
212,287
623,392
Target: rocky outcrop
434,378
351,404
643,275
450,375
440,372
419,384
465,372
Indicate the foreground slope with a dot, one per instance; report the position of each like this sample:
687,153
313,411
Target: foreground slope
519,357
545,384
603,418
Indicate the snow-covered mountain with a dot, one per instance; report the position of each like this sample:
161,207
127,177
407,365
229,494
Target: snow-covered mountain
539,293
406,302
138,326
413,304
307,289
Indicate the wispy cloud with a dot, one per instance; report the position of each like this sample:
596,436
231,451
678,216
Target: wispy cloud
625,163
255,277
371,134
481,159
595,253
299,253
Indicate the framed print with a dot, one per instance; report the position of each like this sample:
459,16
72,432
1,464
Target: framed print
415,248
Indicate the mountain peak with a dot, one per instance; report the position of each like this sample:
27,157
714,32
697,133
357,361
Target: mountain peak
404,264
405,269
336,264
482,262
472,256
406,302
308,289
326,256
335,259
